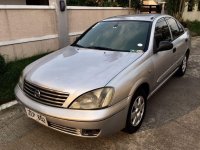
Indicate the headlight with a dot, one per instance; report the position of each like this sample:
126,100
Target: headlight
21,81
96,99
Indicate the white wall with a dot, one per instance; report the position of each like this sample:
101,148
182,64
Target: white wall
191,15
27,30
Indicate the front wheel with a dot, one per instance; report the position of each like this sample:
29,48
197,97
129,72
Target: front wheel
183,67
136,112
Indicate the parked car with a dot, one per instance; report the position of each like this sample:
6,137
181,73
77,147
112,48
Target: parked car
100,84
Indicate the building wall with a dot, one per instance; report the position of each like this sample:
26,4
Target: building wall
81,18
12,2
27,30
191,15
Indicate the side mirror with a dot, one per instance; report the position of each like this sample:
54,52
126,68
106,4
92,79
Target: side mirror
164,46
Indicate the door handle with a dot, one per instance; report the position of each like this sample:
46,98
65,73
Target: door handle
174,50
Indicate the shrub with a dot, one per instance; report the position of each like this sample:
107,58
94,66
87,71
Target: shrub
193,26
100,3
2,64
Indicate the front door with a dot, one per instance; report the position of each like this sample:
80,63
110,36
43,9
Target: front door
163,61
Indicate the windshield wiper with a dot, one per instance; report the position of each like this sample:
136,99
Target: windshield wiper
93,47
98,47
77,45
101,48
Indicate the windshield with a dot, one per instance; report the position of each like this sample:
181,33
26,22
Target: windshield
116,35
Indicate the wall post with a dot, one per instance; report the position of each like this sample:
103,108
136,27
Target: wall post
62,23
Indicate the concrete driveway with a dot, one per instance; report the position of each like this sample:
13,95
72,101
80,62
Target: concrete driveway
172,121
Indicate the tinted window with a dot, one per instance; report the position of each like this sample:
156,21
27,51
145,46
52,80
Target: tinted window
180,28
176,31
116,35
162,32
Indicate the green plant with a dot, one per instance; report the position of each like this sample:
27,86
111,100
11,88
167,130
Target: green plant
194,27
100,3
10,77
2,64
136,4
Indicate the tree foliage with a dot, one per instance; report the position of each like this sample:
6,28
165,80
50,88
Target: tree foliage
177,7
101,3
136,4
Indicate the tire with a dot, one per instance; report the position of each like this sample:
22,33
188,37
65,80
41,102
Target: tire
133,121
183,67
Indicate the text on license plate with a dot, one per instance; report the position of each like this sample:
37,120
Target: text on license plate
36,116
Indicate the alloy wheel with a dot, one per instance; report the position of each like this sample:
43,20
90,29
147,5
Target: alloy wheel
137,111
184,65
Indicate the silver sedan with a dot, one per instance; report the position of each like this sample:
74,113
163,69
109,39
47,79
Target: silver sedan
99,85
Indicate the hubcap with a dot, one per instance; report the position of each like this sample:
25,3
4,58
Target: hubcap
184,65
137,111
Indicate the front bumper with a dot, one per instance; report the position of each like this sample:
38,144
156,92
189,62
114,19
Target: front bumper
107,121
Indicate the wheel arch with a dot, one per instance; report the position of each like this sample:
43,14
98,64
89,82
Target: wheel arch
188,53
142,85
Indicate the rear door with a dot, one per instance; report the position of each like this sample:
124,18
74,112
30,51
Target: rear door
179,39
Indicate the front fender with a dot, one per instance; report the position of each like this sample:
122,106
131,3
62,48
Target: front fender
127,82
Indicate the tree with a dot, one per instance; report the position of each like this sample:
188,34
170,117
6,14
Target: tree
176,7
137,4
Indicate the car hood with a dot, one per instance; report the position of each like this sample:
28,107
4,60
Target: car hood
76,69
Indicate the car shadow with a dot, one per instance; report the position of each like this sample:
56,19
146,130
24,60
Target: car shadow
178,97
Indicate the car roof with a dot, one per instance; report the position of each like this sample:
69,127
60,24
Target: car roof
140,17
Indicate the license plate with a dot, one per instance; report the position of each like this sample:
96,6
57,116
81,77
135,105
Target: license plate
36,116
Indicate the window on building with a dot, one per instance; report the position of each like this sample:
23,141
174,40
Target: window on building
37,2
199,6
190,5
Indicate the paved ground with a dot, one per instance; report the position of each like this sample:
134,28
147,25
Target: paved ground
172,121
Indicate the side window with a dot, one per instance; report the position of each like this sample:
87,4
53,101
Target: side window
180,28
176,31
162,32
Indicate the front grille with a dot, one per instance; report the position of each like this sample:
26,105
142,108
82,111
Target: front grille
44,95
65,129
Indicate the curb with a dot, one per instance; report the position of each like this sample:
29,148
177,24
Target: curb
7,105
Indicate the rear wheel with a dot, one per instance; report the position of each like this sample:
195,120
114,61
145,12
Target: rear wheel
183,67
136,112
